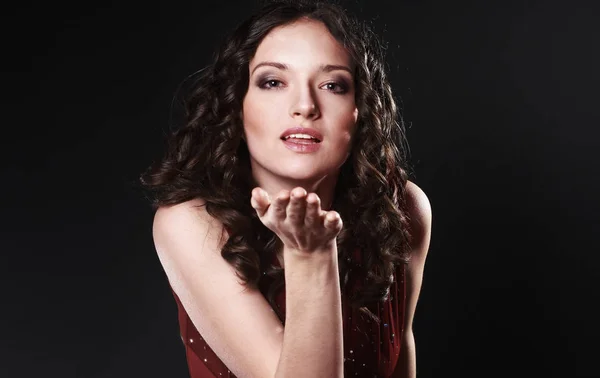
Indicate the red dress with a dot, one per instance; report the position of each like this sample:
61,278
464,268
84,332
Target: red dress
370,349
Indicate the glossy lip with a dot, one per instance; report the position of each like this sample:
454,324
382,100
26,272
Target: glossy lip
303,130
301,147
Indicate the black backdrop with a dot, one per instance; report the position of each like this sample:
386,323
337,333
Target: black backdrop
500,100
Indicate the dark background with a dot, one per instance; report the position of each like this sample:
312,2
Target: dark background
500,100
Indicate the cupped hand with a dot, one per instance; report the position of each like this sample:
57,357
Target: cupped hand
297,218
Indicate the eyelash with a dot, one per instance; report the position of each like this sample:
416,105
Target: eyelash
342,86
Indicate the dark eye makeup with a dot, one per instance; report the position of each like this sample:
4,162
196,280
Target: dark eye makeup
266,82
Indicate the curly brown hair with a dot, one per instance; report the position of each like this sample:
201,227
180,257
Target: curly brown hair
208,158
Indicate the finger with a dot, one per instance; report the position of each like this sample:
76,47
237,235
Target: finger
260,201
280,204
260,210
333,220
297,206
260,195
313,207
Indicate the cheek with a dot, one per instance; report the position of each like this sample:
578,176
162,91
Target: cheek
251,116
257,115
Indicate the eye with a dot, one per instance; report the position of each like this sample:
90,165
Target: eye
270,83
337,88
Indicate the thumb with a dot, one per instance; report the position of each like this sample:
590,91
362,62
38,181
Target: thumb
260,201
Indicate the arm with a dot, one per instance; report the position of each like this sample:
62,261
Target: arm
313,328
420,214
237,322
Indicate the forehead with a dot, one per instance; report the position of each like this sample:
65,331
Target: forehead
302,42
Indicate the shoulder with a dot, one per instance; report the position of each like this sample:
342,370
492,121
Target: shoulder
175,223
191,210
187,240
420,216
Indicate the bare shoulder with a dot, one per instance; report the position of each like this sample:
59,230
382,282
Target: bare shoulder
186,235
235,321
419,209
176,220
419,212
192,210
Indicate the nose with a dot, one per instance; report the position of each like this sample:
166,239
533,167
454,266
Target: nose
305,105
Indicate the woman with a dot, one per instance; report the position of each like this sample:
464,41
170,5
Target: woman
291,237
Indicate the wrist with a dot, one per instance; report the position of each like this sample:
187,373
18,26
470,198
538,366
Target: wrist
323,252
311,275
323,258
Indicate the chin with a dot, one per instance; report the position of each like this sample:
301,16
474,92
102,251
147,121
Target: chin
308,170
306,173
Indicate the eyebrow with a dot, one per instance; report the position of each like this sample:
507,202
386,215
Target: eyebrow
322,67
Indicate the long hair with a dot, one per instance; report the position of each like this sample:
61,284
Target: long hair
207,158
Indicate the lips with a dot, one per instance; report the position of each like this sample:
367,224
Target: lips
302,130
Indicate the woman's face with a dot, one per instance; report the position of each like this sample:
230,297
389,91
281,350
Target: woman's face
300,76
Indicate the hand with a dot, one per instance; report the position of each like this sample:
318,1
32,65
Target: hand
296,217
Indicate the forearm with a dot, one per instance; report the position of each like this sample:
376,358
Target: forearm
313,336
